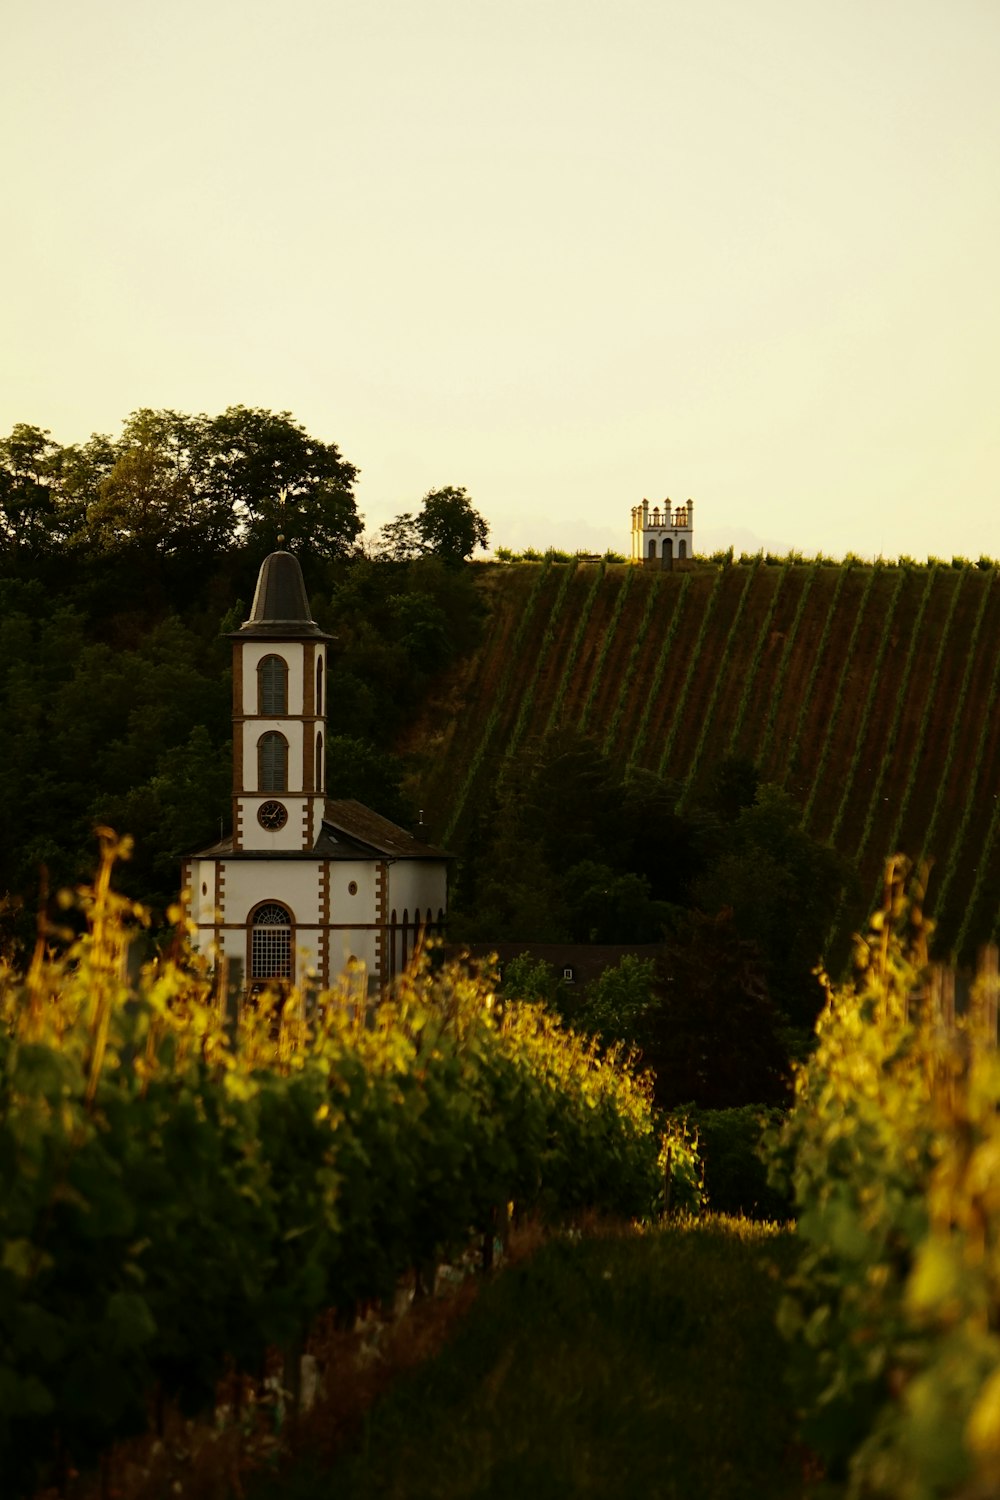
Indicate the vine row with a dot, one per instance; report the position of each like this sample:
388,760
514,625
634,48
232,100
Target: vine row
917,751
838,696
653,691
804,706
574,647
721,682
692,663
764,747
874,685
610,635
750,678
627,684
548,638
499,700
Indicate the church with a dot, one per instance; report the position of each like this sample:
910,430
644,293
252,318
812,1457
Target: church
304,886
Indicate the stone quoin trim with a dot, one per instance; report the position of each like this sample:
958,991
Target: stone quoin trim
219,907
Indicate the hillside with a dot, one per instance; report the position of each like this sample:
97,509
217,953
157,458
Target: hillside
868,692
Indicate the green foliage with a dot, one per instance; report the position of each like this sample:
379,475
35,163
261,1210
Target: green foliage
174,1197
736,1174
782,888
891,1152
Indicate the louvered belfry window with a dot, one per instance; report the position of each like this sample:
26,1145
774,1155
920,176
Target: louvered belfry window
272,758
271,943
272,686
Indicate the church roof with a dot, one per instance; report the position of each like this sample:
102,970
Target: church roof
350,831
350,819
280,604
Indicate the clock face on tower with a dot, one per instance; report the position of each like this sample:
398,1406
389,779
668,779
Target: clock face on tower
272,815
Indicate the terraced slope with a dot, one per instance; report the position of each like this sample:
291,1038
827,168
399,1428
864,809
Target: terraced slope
870,693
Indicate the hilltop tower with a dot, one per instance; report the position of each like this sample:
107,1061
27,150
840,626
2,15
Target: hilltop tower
661,534
303,885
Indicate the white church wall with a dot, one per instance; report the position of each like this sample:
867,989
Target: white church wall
417,884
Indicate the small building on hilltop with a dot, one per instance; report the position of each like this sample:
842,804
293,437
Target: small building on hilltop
662,535
303,885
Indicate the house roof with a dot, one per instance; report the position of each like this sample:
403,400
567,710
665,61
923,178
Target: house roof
280,608
587,960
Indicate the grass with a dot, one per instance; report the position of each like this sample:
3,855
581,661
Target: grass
619,1365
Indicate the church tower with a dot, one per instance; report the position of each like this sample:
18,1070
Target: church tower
279,716
304,886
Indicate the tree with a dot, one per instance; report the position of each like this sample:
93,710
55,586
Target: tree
448,526
154,502
276,479
29,492
783,889
399,540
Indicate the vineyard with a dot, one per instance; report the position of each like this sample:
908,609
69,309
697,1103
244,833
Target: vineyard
868,692
182,1191
891,1149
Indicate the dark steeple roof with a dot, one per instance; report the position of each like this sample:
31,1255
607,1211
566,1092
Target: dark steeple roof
280,604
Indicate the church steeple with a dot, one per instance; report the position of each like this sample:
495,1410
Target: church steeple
279,715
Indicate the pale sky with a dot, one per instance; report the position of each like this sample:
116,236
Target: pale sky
567,253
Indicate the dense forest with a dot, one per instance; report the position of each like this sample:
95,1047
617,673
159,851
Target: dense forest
124,563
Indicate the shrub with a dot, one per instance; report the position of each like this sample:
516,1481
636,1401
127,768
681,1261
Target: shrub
736,1174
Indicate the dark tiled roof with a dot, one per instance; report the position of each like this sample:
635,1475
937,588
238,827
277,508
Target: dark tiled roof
350,819
280,603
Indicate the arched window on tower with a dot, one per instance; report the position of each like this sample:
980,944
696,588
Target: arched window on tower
272,685
271,942
319,761
319,684
272,762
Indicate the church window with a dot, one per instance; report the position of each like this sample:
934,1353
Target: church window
652,547
272,686
271,942
319,762
272,762
319,684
